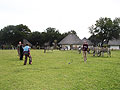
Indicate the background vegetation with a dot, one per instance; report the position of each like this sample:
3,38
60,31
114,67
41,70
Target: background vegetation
102,31
11,35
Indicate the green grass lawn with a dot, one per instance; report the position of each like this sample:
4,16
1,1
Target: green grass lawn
52,71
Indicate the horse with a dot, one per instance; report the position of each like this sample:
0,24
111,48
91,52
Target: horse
100,51
48,48
105,50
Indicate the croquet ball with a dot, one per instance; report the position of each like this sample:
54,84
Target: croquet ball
68,63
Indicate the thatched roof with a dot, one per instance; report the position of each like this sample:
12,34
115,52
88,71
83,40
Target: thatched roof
88,41
26,42
71,39
114,42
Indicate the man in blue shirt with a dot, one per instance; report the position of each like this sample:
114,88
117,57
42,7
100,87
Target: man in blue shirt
27,54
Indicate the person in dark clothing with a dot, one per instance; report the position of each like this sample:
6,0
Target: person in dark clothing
2,47
85,47
20,50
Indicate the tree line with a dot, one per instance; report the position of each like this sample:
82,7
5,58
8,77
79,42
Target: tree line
102,31
11,35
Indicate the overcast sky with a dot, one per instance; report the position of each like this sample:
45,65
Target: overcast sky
64,15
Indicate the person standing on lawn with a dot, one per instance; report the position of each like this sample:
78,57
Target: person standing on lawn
27,54
85,47
20,50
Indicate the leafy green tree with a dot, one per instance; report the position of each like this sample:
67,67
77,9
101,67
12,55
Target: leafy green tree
35,38
24,30
1,38
13,34
49,35
94,39
105,29
52,34
7,34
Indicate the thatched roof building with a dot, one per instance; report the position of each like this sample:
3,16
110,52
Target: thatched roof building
114,44
71,39
25,41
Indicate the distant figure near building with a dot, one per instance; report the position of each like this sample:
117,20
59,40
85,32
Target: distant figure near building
79,49
85,47
20,50
27,54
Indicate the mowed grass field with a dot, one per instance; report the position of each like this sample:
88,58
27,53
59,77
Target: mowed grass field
59,70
